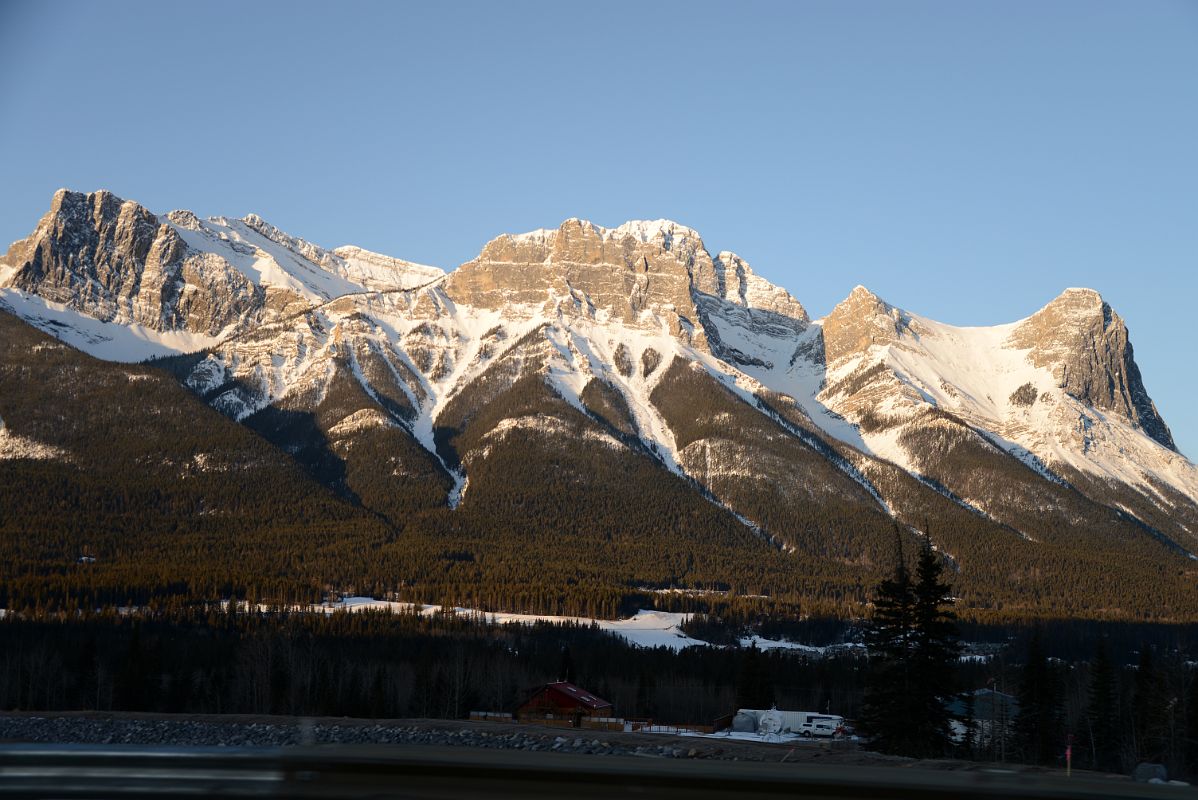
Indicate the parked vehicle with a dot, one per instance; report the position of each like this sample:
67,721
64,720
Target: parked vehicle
821,725
804,723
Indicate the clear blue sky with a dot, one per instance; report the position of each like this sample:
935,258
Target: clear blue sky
965,160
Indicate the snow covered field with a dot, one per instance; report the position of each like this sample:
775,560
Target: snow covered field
646,629
783,644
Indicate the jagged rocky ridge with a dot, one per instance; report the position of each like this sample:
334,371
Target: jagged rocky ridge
814,433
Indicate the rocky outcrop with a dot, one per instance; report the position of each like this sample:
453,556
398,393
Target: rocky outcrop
87,252
861,321
1085,344
116,261
639,273
642,273
732,279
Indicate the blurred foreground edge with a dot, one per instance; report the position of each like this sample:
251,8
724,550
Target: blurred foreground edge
367,771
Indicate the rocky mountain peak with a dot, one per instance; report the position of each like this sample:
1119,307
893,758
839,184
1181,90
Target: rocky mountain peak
637,273
1071,307
70,212
643,272
1078,293
861,321
314,253
733,280
1085,344
69,204
182,218
666,231
86,251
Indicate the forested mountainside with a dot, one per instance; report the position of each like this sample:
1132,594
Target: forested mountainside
574,417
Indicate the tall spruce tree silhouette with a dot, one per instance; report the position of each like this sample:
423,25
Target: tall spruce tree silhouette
1040,726
1102,711
565,670
912,642
754,689
937,649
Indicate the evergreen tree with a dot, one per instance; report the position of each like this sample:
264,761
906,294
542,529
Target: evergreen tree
1102,711
1192,724
887,710
646,687
565,671
753,686
936,652
968,745
913,647
1148,709
1039,726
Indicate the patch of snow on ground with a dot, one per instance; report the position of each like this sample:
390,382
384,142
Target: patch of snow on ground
645,629
780,644
14,447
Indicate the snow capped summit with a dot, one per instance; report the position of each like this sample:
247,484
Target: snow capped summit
861,293
1078,291
644,230
114,261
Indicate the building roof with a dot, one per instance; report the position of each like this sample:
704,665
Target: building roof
575,693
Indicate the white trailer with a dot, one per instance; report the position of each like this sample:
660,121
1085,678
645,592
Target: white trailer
806,723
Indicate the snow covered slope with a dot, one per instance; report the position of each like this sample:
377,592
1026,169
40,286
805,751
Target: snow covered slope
270,257
111,341
814,433
990,378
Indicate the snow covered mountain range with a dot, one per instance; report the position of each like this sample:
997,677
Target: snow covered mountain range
1039,433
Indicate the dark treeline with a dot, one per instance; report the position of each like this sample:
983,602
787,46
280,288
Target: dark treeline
1115,716
382,665
378,665
728,621
1073,640
920,700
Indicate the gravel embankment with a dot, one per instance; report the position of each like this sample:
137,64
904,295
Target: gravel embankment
215,731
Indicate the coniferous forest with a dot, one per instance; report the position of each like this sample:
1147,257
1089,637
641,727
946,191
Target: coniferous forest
157,498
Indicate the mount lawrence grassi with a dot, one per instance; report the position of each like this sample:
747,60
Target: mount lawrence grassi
617,408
